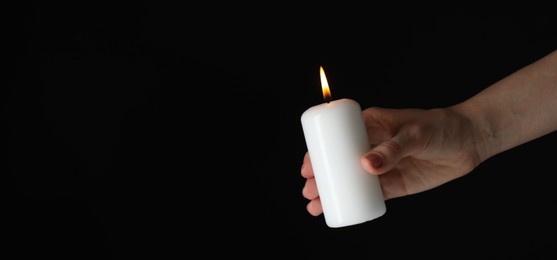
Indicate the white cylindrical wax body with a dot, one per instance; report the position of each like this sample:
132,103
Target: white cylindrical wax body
336,138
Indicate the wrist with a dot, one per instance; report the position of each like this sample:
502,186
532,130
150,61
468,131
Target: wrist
476,127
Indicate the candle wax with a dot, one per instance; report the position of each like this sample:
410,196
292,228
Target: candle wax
336,138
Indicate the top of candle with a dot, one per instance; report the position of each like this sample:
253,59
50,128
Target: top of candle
325,85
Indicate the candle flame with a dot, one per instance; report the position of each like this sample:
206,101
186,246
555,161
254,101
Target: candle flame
325,85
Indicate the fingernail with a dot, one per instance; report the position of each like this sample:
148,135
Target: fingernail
376,160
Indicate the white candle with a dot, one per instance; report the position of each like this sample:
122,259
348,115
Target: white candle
336,138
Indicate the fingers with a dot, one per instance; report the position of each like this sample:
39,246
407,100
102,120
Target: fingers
391,137
314,207
310,189
377,130
387,154
307,171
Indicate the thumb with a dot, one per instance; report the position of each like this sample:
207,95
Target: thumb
383,157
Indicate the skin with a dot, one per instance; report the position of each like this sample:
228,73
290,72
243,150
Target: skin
414,150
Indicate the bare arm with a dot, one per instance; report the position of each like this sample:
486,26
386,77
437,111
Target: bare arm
515,110
417,149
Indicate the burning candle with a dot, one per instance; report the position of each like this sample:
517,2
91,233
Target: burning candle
336,138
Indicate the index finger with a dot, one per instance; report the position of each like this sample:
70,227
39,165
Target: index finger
307,170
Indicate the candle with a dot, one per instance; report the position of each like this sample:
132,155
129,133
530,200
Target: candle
336,138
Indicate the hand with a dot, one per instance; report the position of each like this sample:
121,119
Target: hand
412,150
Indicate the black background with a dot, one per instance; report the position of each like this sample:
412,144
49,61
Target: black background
149,130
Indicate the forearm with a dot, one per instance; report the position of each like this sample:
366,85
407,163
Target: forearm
515,110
